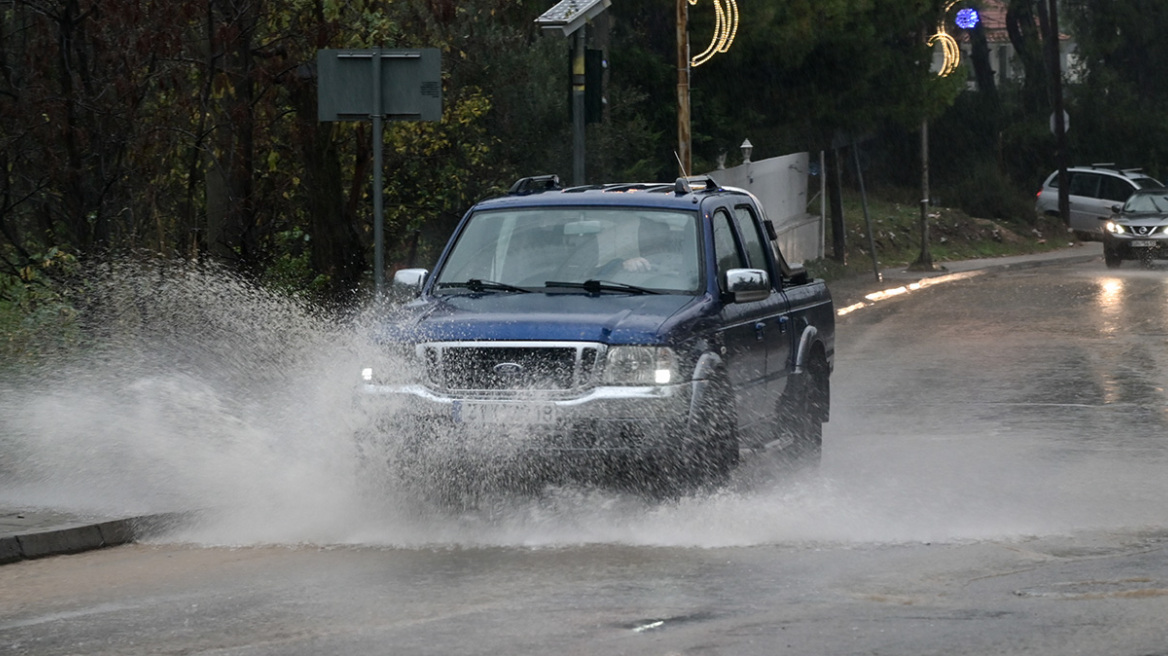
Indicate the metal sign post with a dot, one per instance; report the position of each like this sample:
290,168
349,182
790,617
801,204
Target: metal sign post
379,84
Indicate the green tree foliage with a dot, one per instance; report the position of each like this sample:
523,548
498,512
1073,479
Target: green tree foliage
993,144
809,71
188,127
1119,106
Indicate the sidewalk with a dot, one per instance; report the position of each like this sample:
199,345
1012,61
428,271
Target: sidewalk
853,290
35,533
26,534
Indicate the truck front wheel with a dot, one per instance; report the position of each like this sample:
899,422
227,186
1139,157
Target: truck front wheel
802,412
704,453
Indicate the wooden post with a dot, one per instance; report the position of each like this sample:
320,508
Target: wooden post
684,156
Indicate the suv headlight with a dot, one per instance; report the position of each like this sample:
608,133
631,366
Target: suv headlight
1113,227
640,365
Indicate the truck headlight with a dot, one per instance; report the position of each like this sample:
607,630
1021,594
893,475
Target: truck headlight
397,364
640,365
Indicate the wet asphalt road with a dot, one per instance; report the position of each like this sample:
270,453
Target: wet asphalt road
992,483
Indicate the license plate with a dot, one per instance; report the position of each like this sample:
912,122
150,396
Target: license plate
1143,243
498,414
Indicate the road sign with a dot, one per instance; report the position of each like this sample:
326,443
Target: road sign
379,85
408,84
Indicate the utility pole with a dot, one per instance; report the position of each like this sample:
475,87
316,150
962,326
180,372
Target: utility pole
684,156
1056,100
925,259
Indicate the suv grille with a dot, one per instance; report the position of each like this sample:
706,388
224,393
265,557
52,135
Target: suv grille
510,366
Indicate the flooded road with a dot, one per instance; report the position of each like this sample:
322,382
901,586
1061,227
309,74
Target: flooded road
992,482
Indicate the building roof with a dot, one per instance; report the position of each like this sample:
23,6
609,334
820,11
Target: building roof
993,22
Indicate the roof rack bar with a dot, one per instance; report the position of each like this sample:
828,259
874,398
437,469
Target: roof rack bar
635,186
535,185
692,183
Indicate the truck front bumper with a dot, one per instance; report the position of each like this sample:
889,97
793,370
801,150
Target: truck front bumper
613,421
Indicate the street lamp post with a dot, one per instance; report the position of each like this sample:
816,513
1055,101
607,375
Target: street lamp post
966,19
568,18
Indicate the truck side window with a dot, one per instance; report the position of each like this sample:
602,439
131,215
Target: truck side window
725,245
752,239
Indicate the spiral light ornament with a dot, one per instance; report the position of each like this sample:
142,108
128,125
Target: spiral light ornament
950,51
725,28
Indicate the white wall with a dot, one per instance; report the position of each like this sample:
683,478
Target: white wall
780,183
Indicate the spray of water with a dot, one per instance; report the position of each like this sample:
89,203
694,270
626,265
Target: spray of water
198,391
193,390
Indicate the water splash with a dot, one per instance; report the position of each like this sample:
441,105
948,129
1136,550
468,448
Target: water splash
196,390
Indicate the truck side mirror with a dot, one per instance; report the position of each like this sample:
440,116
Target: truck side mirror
407,283
746,285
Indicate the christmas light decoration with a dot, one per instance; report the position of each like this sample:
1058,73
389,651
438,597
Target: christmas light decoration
725,28
950,52
967,19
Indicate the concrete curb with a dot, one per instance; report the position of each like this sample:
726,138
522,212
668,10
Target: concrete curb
854,288
81,537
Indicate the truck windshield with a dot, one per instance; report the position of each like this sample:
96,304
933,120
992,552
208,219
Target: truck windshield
651,249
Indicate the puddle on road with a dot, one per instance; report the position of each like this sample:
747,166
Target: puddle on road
1136,588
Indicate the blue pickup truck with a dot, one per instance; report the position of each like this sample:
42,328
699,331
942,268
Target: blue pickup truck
643,335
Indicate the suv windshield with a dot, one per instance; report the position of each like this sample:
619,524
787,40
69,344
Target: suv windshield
530,247
1147,202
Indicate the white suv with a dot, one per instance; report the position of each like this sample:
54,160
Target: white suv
1093,190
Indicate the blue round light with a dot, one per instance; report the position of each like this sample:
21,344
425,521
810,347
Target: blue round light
967,19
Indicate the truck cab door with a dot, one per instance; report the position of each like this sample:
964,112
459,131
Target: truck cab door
749,329
778,326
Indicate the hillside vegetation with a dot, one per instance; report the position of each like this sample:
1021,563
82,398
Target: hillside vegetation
953,235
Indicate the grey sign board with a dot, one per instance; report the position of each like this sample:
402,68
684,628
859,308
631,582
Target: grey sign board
397,84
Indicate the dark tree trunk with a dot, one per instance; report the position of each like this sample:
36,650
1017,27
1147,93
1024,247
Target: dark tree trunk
1023,28
336,248
839,250
983,71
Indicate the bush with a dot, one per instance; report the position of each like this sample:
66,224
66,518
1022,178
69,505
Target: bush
987,193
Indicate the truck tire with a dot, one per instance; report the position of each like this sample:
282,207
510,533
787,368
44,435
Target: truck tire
803,411
705,453
715,434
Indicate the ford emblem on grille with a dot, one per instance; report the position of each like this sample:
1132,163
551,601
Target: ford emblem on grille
508,369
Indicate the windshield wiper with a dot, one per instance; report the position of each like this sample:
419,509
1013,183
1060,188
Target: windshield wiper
477,285
596,286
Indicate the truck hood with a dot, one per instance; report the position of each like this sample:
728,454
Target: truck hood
538,316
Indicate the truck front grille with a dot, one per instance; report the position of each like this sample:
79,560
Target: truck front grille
510,366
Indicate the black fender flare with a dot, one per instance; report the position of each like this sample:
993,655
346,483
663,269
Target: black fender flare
803,352
705,371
